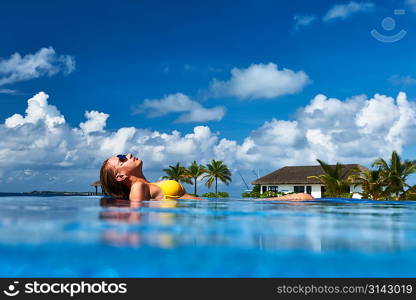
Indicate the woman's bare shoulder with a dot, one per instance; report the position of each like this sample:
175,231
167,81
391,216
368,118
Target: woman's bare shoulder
158,181
139,191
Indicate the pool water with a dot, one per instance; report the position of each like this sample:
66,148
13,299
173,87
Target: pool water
93,237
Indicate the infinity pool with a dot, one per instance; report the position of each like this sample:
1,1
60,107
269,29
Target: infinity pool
90,237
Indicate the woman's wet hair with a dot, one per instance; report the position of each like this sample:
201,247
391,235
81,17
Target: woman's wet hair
111,186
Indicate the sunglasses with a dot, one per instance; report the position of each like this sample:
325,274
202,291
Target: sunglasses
122,157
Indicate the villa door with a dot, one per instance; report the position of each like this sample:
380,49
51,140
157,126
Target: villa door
323,190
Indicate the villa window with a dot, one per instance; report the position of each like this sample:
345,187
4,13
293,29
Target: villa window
309,189
299,189
272,188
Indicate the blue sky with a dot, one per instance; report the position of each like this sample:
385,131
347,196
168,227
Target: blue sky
125,52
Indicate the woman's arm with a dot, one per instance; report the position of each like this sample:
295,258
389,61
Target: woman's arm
139,191
293,197
187,196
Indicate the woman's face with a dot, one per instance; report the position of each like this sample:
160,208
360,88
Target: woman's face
128,165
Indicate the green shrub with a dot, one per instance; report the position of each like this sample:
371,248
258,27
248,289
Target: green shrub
342,195
209,195
409,196
252,194
255,194
269,194
223,195
213,195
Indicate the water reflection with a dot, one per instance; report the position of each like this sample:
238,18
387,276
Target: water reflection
117,211
314,225
120,211
120,216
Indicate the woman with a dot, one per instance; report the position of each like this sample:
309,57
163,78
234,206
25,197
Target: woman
122,177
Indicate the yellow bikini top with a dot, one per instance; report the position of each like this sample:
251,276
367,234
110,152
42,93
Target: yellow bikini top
171,189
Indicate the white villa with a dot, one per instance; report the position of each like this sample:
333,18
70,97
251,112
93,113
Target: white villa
295,179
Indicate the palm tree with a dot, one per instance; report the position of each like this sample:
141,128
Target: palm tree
194,171
178,173
410,194
217,170
372,183
396,172
333,179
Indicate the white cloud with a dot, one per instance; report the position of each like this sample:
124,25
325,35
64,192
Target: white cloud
45,62
117,142
7,91
402,80
356,130
303,20
40,150
191,111
41,143
260,81
344,11
368,118
95,121
403,128
37,110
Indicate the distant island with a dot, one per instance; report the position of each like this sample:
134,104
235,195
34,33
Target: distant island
50,193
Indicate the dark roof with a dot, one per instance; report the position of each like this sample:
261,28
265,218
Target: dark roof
299,174
96,183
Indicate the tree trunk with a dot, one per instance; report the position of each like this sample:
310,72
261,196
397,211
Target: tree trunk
216,189
195,186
